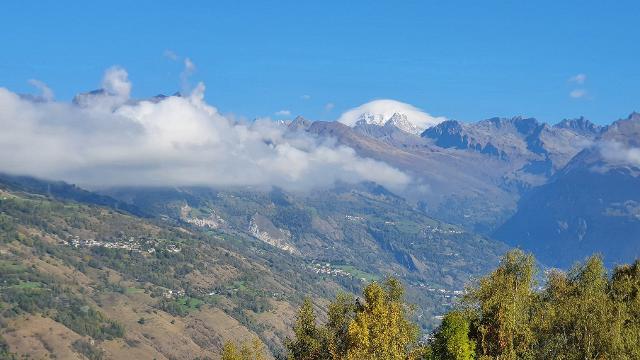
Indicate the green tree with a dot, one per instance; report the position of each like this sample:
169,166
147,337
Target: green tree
341,313
582,314
552,339
580,319
503,302
308,342
452,339
625,291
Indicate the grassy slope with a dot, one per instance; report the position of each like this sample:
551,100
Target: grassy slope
230,292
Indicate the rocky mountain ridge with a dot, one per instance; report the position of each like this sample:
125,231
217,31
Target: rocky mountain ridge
590,205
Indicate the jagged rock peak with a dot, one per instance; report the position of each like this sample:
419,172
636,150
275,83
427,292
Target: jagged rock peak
523,124
625,131
299,123
580,124
634,116
445,127
84,98
401,121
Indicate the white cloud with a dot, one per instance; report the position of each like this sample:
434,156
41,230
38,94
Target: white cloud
185,75
329,106
189,66
116,82
578,79
619,153
283,113
179,141
169,54
578,93
305,97
384,109
45,92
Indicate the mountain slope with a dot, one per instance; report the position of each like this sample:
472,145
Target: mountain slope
457,186
591,205
62,190
210,265
362,231
80,278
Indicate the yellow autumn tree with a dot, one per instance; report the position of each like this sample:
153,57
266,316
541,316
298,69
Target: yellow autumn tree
252,350
381,329
375,327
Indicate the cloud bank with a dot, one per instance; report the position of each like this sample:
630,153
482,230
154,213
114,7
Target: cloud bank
619,153
46,94
112,140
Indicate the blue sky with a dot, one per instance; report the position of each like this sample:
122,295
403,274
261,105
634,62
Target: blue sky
462,60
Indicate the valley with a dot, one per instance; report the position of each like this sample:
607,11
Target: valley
171,276
175,272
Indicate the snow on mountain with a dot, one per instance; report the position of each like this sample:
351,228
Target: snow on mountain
380,112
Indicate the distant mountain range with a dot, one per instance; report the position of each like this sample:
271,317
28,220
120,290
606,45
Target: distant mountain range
467,173
564,191
590,205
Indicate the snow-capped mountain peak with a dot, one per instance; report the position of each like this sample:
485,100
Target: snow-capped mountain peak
401,121
369,118
390,112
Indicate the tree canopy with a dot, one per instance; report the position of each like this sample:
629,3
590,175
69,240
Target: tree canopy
376,326
580,314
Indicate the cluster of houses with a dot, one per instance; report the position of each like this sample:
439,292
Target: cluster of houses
438,230
173,294
445,293
173,248
130,244
354,218
328,269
